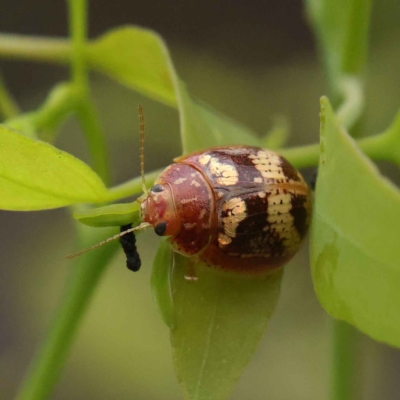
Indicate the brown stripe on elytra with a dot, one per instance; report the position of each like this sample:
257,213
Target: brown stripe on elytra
288,170
243,163
299,213
252,238
238,156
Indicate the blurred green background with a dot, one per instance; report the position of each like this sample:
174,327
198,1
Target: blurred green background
252,61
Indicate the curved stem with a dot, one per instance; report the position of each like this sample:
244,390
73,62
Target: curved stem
88,117
385,146
85,275
382,147
131,187
46,368
352,107
303,156
60,102
86,112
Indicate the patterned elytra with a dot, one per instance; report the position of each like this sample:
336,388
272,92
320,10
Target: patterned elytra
236,208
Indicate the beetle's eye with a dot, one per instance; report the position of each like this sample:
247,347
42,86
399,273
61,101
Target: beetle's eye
157,188
160,228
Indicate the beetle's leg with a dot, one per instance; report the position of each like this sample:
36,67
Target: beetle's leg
191,272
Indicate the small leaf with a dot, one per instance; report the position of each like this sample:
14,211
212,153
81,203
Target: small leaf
203,127
161,282
111,215
137,58
35,175
355,236
220,319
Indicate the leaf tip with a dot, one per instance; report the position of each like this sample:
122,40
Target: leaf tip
324,103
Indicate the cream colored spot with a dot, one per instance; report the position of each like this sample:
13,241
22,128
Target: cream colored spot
204,159
236,210
225,174
279,203
261,194
281,221
189,200
234,203
180,180
268,163
223,239
202,213
258,179
194,183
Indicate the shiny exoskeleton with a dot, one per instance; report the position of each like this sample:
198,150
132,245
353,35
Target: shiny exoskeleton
237,208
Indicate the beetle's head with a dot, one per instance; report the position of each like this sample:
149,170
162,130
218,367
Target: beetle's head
158,209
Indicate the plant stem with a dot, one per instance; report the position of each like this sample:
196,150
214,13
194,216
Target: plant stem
344,350
352,107
85,110
131,187
89,120
303,156
355,45
35,48
78,33
46,368
60,102
381,147
85,275
385,146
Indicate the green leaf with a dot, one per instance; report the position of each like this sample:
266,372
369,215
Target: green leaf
111,215
220,319
161,282
203,127
342,28
36,176
355,236
137,58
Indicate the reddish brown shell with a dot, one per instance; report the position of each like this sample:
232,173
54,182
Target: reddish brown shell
236,208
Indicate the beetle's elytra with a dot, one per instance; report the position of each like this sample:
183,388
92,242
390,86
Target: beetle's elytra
237,208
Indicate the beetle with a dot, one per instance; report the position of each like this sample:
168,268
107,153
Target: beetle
235,208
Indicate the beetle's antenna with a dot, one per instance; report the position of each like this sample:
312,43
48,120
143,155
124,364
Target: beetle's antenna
141,126
143,225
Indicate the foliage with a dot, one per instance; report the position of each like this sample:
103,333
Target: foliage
354,259
354,239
